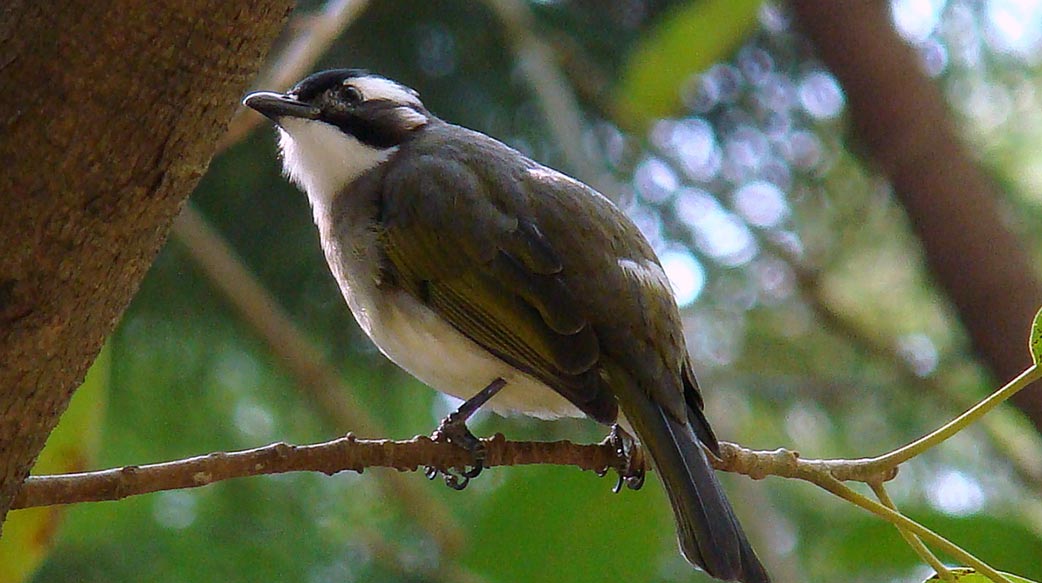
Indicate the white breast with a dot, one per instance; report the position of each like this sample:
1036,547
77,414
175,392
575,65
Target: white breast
321,159
418,340
415,338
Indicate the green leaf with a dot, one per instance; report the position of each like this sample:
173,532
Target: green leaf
1035,342
1008,542
71,447
688,41
967,575
544,520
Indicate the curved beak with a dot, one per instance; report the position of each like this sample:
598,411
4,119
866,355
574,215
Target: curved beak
275,106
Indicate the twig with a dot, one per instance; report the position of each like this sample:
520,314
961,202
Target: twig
903,454
311,42
913,541
901,521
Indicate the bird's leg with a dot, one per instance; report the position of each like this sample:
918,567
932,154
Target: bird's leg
628,450
453,429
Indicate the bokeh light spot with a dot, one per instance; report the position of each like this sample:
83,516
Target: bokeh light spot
686,275
761,204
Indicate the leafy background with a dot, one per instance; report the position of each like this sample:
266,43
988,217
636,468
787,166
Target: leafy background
725,140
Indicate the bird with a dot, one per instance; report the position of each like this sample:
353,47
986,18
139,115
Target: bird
505,283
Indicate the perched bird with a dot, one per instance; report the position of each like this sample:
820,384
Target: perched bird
493,278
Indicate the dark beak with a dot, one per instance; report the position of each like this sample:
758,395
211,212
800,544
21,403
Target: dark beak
275,106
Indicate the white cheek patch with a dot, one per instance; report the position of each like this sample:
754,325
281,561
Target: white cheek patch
380,88
321,159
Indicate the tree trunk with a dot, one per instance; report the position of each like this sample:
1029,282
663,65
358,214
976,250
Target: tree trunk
901,120
109,114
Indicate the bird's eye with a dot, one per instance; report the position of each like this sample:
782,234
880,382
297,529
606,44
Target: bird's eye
350,94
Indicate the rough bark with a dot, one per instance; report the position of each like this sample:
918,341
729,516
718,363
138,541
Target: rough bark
902,123
109,114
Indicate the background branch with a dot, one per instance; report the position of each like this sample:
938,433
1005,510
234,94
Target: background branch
902,122
315,34
333,398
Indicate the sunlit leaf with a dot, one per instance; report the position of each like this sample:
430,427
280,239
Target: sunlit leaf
967,575
71,447
686,42
1035,342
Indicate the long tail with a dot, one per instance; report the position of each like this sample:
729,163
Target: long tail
707,528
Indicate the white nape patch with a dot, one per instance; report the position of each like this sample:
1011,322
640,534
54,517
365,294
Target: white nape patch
380,88
648,273
322,160
411,118
544,174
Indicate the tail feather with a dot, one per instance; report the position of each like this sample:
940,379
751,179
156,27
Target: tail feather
707,528
708,531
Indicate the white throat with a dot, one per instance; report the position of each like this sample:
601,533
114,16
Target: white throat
322,160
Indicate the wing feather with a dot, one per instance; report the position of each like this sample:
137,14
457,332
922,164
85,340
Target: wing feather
492,275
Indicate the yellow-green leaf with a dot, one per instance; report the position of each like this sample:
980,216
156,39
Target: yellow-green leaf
685,42
1035,342
968,575
29,534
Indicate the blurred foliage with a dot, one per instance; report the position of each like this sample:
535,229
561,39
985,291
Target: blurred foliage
72,447
752,172
688,41
966,575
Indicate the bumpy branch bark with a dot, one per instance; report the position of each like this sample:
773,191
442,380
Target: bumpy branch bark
901,120
108,117
346,453
350,453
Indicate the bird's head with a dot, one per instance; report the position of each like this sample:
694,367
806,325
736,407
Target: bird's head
334,125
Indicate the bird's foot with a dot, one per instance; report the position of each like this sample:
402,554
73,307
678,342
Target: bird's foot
629,451
453,429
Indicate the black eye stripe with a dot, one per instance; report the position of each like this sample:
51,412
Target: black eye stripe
375,123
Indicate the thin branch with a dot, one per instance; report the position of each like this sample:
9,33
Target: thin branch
338,455
1003,437
913,541
901,521
350,453
956,425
